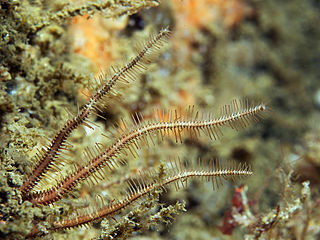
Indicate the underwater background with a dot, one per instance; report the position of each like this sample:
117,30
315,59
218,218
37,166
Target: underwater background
219,50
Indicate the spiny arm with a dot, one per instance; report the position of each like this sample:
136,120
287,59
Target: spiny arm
47,156
237,114
139,189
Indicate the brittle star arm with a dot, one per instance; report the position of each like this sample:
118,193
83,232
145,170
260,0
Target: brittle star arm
177,126
47,156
